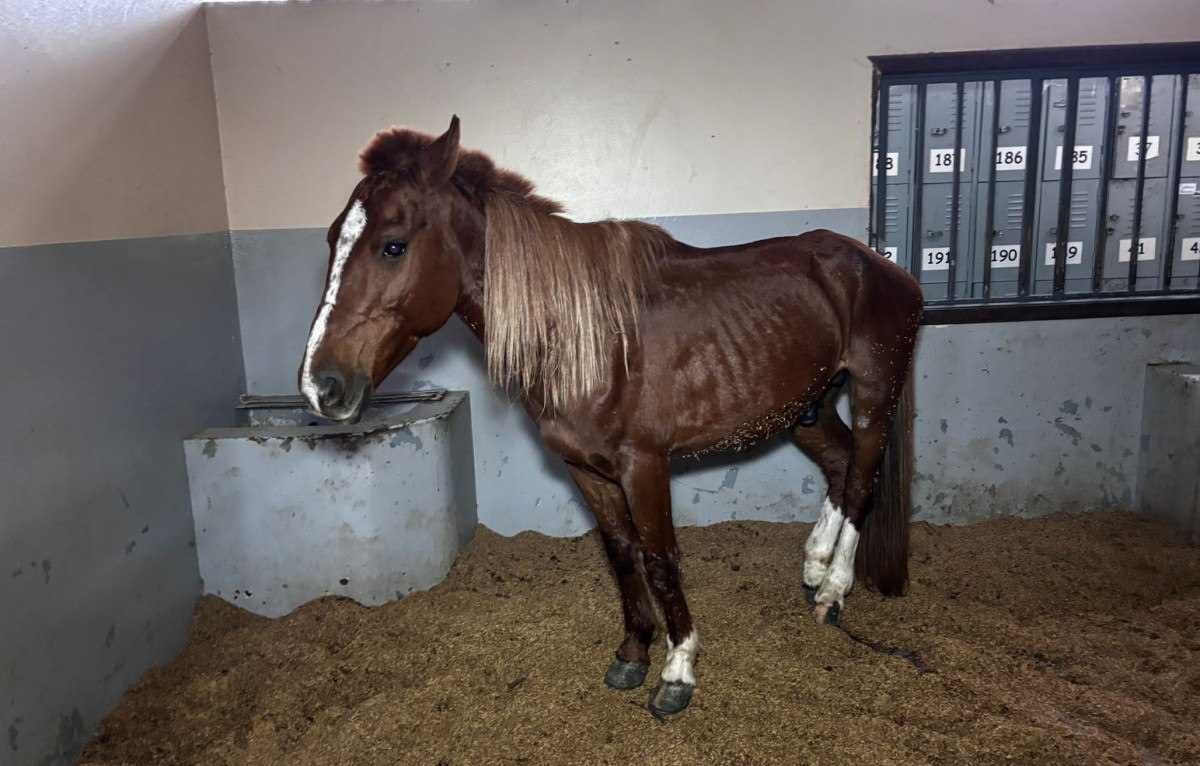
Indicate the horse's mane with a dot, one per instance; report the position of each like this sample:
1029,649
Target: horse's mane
557,294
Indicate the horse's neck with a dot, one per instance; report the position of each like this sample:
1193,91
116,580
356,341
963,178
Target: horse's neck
470,311
470,299
471,230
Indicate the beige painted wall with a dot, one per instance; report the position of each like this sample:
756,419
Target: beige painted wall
108,124
617,108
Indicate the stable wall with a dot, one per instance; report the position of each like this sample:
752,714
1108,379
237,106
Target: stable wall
120,336
728,121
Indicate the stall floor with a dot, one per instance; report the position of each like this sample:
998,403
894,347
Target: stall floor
1065,639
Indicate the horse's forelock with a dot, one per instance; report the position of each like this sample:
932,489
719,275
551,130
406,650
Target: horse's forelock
397,151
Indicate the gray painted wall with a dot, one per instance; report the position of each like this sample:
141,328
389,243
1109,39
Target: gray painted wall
1013,418
113,352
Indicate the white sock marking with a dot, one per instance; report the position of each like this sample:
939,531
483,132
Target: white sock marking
678,668
841,572
820,543
353,226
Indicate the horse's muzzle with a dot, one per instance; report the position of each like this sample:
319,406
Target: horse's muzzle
338,398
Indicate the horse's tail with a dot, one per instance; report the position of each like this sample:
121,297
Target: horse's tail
882,558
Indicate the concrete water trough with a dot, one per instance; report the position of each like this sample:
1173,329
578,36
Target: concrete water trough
287,511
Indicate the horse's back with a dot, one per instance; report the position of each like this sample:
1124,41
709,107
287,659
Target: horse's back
881,287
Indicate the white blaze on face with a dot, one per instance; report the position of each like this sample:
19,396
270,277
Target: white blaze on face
821,542
678,668
353,226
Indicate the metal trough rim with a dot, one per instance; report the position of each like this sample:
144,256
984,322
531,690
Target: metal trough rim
293,401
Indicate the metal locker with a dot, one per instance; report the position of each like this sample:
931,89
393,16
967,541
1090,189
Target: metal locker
933,250
1119,227
941,104
894,241
1089,127
1185,259
1007,213
1190,166
901,102
1081,237
1010,151
1129,126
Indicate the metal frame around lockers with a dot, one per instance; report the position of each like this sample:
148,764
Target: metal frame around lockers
1037,66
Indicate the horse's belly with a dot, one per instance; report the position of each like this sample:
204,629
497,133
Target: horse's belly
732,408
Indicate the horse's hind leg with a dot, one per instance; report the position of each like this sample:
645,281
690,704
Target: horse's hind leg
873,400
646,481
607,501
826,440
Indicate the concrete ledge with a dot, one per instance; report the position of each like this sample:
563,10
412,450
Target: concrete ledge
1169,462
371,511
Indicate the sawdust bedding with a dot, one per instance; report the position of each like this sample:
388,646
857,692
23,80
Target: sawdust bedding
1067,639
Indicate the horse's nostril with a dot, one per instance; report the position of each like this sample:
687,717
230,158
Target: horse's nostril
330,390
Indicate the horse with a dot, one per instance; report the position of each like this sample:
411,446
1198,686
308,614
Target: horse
628,349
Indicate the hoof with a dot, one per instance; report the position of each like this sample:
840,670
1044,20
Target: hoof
827,614
810,594
670,697
625,675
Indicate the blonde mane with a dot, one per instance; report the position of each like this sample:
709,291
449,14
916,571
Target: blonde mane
559,294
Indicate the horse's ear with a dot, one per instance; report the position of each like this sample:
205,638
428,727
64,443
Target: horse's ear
439,159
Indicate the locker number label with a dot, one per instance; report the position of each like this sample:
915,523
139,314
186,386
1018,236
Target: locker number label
1010,158
942,160
1074,253
1193,149
1187,189
891,166
1081,158
935,259
889,253
1191,249
1006,256
1135,145
1146,247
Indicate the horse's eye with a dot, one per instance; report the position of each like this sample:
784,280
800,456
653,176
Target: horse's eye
394,249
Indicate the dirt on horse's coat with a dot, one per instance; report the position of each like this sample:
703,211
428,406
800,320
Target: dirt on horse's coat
628,348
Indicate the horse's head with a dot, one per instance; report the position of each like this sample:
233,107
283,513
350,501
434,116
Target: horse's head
395,271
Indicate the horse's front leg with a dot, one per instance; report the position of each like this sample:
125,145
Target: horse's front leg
646,480
607,502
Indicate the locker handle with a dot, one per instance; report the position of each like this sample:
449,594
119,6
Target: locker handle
1061,128
1061,103
1120,129
1109,230
934,234
1126,114
1053,230
1005,129
1114,217
938,131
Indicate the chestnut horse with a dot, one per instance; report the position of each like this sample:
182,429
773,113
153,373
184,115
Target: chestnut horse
629,348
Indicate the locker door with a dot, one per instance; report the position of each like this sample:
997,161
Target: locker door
934,250
1185,268
1129,125
1089,127
902,99
1081,237
1007,211
894,242
940,113
1009,152
1119,226
1191,132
